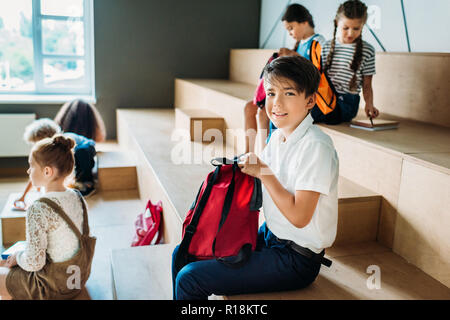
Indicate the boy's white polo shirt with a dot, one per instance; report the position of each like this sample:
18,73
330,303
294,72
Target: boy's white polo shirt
307,160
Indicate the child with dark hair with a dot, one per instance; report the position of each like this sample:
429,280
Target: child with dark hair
299,23
349,61
299,170
82,118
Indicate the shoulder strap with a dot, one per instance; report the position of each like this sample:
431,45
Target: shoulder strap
57,208
85,215
181,258
316,51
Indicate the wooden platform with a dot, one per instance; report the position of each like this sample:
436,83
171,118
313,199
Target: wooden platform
202,125
345,280
407,85
13,221
116,171
393,188
142,273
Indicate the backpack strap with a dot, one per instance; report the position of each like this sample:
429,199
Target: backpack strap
316,51
85,214
181,258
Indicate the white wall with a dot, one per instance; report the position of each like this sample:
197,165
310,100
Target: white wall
427,22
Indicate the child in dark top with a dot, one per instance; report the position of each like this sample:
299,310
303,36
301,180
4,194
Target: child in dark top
84,154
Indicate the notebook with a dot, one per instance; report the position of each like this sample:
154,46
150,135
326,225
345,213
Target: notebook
16,247
378,124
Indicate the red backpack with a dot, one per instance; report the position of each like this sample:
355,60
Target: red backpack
222,223
148,226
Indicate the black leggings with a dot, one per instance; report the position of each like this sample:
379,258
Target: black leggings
84,163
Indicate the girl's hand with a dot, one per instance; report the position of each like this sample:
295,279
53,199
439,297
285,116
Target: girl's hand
287,52
371,111
20,204
11,261
250,164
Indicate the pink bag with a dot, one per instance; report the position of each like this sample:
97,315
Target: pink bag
259,97
148,226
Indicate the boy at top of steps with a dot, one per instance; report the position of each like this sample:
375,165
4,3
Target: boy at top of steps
299,24
349,62
299,170
84,156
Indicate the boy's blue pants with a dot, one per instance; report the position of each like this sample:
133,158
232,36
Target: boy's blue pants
272,267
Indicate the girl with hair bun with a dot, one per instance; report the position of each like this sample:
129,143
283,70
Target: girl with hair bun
349,62
57,231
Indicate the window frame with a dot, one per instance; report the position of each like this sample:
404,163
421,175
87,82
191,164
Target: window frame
48,93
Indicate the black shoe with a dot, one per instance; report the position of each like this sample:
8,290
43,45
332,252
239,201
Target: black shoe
88,191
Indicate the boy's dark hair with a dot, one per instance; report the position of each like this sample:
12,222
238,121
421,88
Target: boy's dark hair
298,69
297,12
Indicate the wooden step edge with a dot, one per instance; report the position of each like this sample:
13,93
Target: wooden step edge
214,89
114,159
152,264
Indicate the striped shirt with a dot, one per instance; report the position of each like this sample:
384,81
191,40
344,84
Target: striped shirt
340,72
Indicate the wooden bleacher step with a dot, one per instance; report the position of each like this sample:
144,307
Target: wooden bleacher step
144,273
223,97
13,221
358,213
116,171
197,122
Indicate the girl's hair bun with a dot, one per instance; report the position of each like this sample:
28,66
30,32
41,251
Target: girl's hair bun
63,142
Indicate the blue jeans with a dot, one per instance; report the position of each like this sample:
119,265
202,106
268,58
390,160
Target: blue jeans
272,267
346,109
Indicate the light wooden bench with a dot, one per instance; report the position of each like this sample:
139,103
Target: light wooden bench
144,273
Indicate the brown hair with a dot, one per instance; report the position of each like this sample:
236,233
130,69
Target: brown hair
298,13
351,9
82,118
40,129
55,152
298,69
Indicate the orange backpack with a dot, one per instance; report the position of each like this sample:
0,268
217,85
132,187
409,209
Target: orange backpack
326,94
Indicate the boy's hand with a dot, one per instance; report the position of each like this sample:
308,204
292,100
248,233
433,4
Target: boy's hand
287,52
371,111
253,166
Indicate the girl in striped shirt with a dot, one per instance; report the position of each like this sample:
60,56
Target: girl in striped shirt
349,62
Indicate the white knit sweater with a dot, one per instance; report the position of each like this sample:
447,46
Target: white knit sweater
47,232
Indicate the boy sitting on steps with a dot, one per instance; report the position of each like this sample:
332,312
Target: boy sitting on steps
299,169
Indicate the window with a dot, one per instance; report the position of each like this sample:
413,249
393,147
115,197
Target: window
46,47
